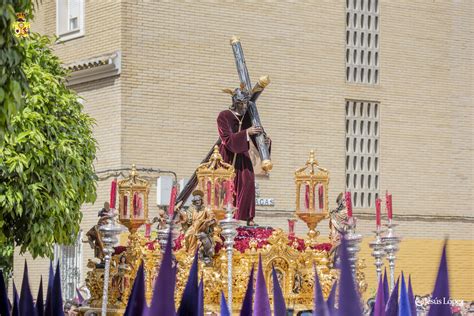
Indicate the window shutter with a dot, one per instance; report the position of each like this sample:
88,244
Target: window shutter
62,16
74,15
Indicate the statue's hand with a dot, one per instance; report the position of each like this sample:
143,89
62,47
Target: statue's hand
254,130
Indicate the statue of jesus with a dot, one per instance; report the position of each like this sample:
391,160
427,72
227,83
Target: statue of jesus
238,139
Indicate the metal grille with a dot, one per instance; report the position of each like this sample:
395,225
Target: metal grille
362,152
70,263
362,41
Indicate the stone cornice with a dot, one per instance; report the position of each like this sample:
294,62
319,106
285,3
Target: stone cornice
94,68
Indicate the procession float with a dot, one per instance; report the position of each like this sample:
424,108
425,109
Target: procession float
224,248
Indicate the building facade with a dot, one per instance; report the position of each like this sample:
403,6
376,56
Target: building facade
382,90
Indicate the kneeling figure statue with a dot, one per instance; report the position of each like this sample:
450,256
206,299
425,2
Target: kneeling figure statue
200,231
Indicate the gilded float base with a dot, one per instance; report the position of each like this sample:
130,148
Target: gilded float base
292,257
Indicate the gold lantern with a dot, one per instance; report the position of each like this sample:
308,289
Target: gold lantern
133,201
312,206
212,179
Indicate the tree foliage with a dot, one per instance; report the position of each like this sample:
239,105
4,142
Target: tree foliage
12,78
46,161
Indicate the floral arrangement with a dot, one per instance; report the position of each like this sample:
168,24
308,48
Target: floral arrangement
261,235
242,241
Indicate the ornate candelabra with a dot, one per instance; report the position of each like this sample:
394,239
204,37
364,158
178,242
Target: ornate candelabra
229,231
353,242
109,237
378,251
390,242
313,180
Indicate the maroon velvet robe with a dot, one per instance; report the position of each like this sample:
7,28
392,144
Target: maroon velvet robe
235,142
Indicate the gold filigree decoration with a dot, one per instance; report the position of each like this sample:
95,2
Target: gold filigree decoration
212,178
313,179
295,270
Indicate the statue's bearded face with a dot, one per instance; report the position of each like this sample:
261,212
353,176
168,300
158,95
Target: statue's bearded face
241,107
240,100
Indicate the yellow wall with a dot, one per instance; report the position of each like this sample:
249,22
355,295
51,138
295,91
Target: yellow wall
420,258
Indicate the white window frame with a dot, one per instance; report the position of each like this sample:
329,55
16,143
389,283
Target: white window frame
69,35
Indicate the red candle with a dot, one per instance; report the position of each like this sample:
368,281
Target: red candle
147,230
349,204
172,200
306,197
113,193
228,192
135,204
377,211
139,206
321,197
388,203
209,193
291,227
217,194
125,205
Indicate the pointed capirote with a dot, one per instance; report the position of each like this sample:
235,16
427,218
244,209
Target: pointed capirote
246,309
441,288
200,308
48,306
379,308
279,306
16,302
136,305
392,305
39,299
386,290
411,297
261,304
4,304
331,302
27,307
224,307
162,302
189,300
56,294
320,308
349,300
404,303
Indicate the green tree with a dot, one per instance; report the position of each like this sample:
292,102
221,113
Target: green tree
13,82
46,160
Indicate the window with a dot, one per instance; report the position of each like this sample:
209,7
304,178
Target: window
362,41
362,152
69,19
70,263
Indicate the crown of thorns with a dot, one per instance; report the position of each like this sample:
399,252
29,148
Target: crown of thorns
239,94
